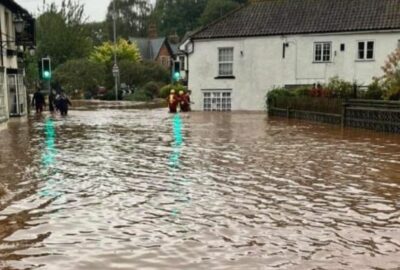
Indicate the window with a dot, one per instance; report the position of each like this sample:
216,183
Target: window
182,60
217,101
225,61
398,44
322,52
165,61
365,50
342,47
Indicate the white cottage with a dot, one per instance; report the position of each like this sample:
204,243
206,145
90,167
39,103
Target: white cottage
17,35
234,61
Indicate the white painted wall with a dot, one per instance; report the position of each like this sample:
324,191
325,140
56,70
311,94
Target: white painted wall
259,66
9,62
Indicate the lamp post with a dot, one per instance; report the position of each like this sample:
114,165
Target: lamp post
115,69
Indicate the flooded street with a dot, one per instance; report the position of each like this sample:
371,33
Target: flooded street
142,189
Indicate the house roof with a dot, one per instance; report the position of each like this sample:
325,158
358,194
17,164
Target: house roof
149,48
283,17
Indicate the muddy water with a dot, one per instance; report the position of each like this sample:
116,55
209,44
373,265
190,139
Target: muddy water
141,189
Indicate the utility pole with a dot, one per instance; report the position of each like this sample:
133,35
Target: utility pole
115,69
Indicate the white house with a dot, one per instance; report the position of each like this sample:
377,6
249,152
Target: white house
17,35
234,61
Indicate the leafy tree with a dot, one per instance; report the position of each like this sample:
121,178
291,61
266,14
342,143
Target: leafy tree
61,34
216,9
97,32
124,50
177,16
80,74
131,18
137,74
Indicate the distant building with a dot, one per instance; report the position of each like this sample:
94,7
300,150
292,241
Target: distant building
235,60
17,35
155,49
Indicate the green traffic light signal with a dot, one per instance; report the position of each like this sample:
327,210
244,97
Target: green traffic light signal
46,74
177,75
46,68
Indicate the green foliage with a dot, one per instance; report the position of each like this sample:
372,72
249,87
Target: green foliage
104,54
165,91
374,91
137,74
340,88
80,74
132,18
302,91
97,31
391,78
139,95
151,89
216,9
61,33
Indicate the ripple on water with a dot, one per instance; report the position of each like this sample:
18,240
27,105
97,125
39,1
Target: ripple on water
122,191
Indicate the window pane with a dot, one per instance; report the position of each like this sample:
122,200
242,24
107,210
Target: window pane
327,52
361,50
370,50
225,69
318,52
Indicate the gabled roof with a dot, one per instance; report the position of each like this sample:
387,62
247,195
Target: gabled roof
149,48
283,17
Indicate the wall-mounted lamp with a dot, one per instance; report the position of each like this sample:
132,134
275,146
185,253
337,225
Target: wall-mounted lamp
19,24
241,53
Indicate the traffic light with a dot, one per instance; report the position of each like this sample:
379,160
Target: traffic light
176,73
46,69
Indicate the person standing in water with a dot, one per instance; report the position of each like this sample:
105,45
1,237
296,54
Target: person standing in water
38,101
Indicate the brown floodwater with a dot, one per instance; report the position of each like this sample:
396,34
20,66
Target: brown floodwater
142,189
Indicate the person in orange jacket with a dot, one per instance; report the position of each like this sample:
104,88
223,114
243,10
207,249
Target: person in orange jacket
173,101
184,101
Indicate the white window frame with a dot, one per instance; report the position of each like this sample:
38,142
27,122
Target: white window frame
222,61
322,44
365,53
217,100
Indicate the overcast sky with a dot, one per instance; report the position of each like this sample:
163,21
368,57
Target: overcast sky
95,9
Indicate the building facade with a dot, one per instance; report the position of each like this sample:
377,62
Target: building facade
234,61
17,36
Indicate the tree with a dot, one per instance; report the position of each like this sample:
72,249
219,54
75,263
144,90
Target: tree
80,74
216,9
125,51
97,32
177,16
61,34
131,18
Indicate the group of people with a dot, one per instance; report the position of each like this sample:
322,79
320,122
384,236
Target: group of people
58,101
182,100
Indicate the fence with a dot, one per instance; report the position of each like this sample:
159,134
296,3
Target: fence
368,114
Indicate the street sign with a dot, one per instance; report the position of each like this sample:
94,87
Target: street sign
115,70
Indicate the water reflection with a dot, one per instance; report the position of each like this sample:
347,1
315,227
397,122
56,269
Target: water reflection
142,189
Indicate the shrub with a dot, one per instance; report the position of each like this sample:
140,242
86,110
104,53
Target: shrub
151,89
302,91
374,91
339,88
139,95
110,95
164,91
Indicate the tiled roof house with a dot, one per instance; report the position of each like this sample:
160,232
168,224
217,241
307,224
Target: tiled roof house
236,59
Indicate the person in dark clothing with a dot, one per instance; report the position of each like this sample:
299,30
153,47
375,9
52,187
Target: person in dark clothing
38,101
52,98
63,103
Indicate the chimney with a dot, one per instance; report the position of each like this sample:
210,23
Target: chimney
174,38
152,31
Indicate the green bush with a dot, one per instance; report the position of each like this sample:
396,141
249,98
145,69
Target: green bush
110,95
151,89
339,88
393,86
164,91
374,91
302,91
139,95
